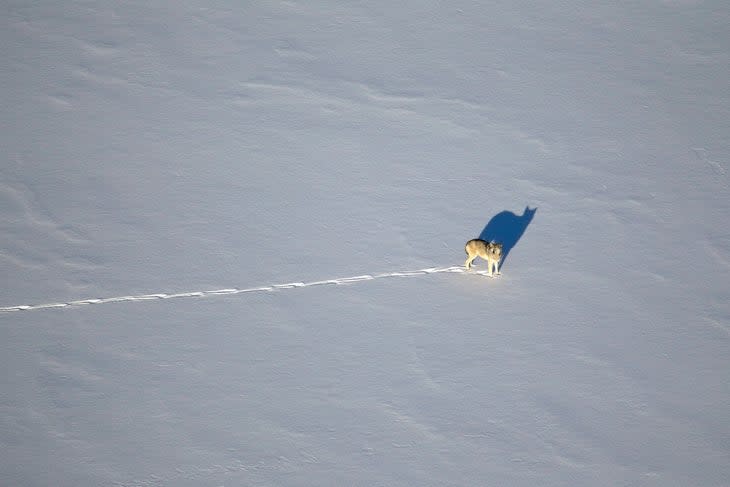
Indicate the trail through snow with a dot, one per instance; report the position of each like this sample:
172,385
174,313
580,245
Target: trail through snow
229,291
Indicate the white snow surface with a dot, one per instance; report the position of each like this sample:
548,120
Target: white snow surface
155,149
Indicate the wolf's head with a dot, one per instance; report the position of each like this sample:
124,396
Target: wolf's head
495,248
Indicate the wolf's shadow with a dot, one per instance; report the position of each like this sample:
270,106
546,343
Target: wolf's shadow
507,228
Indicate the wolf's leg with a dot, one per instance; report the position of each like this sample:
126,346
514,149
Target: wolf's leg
496,267
489,267
469,260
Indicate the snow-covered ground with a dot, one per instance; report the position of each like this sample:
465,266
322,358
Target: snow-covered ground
153,147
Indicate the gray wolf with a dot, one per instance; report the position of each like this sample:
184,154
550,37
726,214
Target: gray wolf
489,251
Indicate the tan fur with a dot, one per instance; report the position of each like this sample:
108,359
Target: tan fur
489,251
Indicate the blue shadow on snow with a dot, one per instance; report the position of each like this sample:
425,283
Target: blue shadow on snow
507,228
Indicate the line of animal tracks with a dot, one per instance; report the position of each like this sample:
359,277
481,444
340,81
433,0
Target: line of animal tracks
230,291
